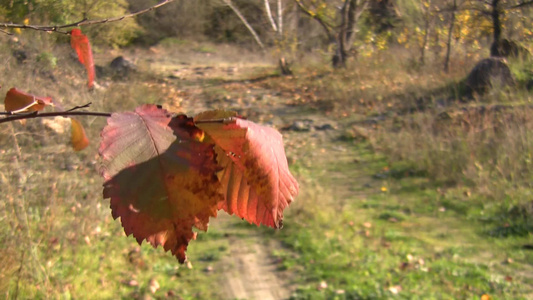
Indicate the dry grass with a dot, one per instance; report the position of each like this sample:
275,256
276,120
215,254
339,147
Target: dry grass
54,225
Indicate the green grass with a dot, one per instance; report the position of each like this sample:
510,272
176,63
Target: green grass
61,242
409,241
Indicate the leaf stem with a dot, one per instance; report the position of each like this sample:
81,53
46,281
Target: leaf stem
224,121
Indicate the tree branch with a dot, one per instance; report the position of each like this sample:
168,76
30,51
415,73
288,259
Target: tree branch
269,15
520,5
280,17
324,25
83,22
245,22
34,115
211,121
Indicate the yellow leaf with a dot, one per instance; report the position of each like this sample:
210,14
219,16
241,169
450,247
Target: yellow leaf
78,137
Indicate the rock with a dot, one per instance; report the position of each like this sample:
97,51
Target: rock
508,48
300,125
20,55
324,127
487,74
355,133
121,67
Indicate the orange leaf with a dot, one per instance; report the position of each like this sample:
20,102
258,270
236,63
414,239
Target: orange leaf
160,187
78,137
257,184
80,43
18,101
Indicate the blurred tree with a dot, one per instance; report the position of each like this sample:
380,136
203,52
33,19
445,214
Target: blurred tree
339,20
499,18
67,11
180,19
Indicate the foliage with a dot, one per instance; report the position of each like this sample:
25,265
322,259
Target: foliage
80,43
167,183
68,11
18,101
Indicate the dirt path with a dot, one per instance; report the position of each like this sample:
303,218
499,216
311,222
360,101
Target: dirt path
250,270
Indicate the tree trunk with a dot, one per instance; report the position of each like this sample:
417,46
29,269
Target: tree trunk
496,22
339,58
350,12
426,35
449,42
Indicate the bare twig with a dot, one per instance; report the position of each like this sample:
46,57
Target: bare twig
245,22
21,112
269,15
80,107
83,22
211,121
327,27
53,114
5,32
522,4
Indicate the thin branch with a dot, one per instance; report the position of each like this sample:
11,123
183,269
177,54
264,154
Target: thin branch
5,32
211,121
269,15
320,21
34,115
80,106
245,22
450,9
83,22
520,5
280,17
21,112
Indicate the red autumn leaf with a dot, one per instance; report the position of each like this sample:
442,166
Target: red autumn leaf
80,43
159,186
19,101
78,138
257,184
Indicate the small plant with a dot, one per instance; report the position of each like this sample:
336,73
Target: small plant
47,61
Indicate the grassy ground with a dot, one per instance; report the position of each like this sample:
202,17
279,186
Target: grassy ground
372,220
395,238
